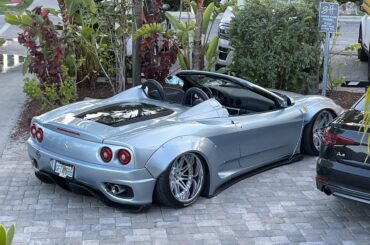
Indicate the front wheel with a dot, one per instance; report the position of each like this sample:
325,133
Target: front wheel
181,184
314,131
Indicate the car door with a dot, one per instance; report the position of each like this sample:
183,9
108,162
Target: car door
269,136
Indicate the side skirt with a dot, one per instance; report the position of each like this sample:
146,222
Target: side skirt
235,180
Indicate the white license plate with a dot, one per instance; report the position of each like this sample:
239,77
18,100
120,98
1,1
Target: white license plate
64,170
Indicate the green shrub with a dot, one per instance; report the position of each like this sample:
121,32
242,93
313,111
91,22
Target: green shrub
276,45
2,41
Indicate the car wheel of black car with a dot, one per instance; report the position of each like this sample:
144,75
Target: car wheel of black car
314,130
181,184
361,54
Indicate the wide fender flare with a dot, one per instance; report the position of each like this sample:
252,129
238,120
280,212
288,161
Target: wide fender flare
311,110
164,156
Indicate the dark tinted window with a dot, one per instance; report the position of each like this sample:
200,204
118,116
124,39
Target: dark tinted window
122,114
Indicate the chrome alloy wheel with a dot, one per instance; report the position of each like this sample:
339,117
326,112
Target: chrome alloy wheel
186,177
321,122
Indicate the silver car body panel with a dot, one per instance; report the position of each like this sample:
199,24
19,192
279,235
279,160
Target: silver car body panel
229,145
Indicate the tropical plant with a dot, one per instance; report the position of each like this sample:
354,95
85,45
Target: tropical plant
158,50
45,59
6,237
276,45
101,31
192,54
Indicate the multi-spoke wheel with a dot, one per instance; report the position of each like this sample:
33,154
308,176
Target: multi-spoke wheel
314,131
181,184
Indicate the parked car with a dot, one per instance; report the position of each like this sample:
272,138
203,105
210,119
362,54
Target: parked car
174,143
224,50
343,168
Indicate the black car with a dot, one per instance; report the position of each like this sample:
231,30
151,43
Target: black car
343,167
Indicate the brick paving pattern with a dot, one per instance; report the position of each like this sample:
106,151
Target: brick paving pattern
279,206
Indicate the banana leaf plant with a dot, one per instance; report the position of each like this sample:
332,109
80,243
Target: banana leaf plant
184,32
6,237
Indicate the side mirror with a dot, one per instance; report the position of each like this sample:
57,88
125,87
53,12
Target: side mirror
173,80
166,7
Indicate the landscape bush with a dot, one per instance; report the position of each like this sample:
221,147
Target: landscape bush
276,45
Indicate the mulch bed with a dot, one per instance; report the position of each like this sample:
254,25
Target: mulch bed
344,98
101,91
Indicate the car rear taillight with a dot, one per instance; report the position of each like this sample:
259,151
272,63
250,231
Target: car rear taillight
33,130
124,156
106,154
39,135
331,139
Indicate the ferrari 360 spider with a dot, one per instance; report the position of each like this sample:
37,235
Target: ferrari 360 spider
177,142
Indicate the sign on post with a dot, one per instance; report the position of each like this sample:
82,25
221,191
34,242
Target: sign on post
328,23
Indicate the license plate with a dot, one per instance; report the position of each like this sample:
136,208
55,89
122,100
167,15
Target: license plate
64,170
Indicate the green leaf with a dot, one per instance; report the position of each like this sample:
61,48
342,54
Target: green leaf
148,29
193,7
90,4
86,32
18,20
177,24
211,50
207,16
2,235
10,235
72,6
25,65
52,11
182,61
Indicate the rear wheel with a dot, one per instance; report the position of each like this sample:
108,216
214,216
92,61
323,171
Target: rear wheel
361,54
314,130
181,184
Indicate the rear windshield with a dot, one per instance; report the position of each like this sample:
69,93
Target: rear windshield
117,115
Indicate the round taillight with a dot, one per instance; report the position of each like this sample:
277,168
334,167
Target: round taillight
106,154
124,156
33,130
39,135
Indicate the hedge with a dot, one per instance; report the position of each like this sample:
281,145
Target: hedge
276,45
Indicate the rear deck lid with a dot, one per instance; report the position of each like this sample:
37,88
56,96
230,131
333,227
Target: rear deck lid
121,114
106,121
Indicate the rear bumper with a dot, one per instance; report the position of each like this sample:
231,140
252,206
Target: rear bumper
343,180
92,177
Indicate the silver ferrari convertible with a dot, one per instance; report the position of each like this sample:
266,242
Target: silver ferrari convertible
176,142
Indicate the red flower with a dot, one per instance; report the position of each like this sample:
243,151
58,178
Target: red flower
44,13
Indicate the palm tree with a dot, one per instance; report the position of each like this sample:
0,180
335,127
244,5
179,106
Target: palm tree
198,61
64,12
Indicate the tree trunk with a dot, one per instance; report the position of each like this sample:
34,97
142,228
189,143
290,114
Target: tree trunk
314,88
198,60
64,12
136,59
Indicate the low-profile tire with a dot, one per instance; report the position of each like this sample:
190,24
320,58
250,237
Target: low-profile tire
169,190
313,131
361,54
